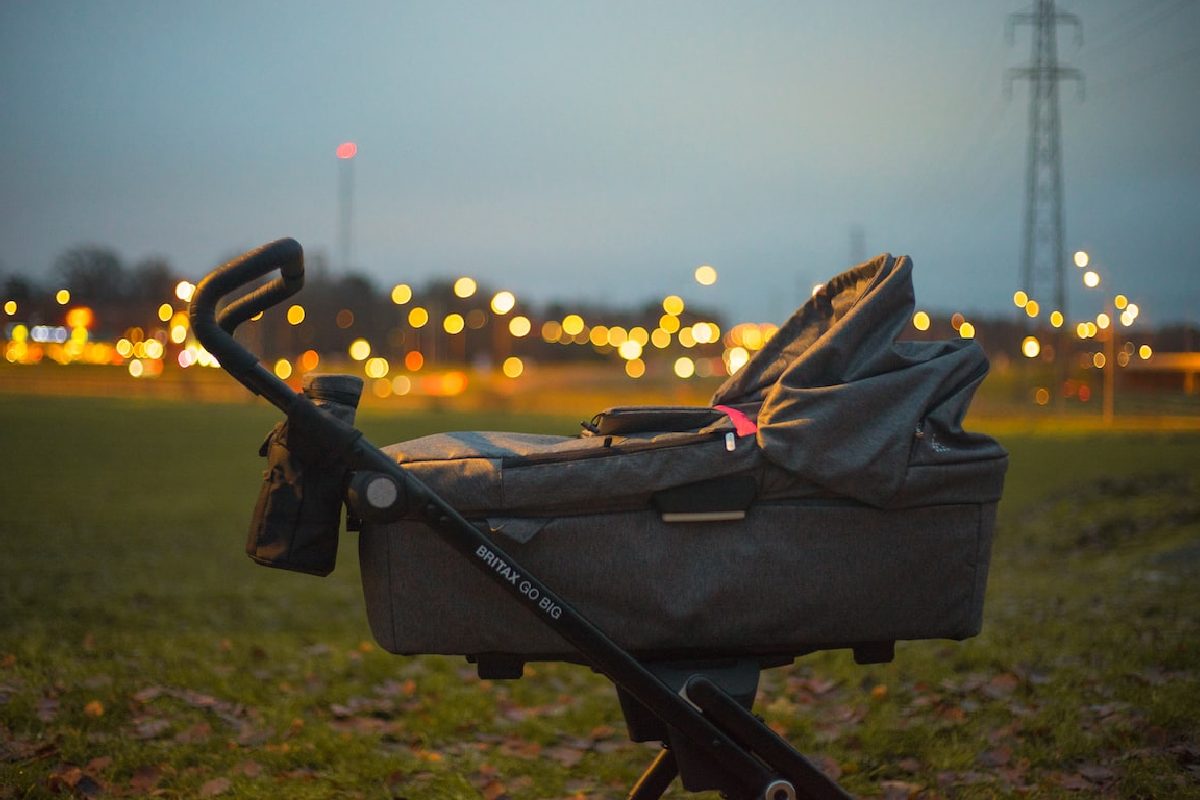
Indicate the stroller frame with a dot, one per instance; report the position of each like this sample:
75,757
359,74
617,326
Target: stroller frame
720,744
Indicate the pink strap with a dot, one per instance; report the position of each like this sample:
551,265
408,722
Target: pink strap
741,423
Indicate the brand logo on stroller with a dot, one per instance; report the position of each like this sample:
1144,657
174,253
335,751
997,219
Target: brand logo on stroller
525,587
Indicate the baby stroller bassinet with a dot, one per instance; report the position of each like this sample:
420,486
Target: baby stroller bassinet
828,498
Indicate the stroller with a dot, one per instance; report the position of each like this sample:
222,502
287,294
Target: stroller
828,499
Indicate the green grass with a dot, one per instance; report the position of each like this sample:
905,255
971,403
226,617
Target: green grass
140,651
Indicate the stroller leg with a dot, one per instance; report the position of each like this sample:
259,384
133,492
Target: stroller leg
657,778
750,732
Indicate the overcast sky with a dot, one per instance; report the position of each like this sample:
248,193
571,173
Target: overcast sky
602,150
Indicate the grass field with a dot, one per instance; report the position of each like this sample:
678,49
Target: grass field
142,654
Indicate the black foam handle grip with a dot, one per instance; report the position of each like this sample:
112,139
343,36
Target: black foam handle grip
215,334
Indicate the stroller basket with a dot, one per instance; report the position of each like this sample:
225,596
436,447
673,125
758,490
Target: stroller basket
828,498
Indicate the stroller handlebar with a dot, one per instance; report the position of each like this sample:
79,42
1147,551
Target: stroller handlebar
215,331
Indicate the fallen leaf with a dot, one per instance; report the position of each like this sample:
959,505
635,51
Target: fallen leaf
996,757
567,756
215,787
149,693
94,709
99,764
47,709
195,734
899,790
144,779
150,728
1096,773
494,790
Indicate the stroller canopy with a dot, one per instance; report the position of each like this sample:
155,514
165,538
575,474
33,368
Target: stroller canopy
840,402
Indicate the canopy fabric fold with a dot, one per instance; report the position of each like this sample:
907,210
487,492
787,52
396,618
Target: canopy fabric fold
839,401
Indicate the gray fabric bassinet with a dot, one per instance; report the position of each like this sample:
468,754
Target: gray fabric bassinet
828,498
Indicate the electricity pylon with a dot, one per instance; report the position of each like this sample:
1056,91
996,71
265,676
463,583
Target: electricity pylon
1043,262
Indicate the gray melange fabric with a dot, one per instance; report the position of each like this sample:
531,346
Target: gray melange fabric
873,518
840,402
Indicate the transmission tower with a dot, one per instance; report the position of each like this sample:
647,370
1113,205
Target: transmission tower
1043,264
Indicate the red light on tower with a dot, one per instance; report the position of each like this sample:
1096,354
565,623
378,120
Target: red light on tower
347,150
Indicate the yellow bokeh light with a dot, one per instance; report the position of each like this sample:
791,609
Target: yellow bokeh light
685,367
598,336
401,385
136,368
1133,310
1120,301
377,367
1103,321
660,338
669,323
381,388
283,368
62,297
629,350
153,348
10,307
1126,318
165,312
686,338
295,315
551,331
921,321
706,275
635,368
1091,279
1098,360
124,348
1032,308
184,290
1041,396
1020,299
639,335
503,302
519,326
673,305
1056,318
700,332
401,293
617,336
453,323
465,287
735,359
1092,329
178,334
1030,347
512,367
572,324
418,317
360,349
1144,352
966,330
1081,259
1081,330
